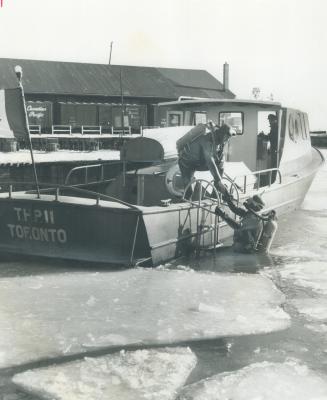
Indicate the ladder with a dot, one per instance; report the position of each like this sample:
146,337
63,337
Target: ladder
205,197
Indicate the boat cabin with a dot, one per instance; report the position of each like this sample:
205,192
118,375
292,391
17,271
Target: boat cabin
268,139
253,143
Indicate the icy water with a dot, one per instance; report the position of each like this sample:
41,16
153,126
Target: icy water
260,320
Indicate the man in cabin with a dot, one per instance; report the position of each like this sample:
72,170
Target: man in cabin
248,230
202,149
273,134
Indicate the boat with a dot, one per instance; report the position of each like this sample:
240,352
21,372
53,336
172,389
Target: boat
140,216
319,138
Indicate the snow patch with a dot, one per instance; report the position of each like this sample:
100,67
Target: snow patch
261,381
154,374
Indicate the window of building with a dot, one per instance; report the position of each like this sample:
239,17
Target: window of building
200,117
175,118
234,119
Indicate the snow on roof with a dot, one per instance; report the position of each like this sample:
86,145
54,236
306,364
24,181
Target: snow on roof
24,156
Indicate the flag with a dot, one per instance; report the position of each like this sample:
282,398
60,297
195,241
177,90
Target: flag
12,114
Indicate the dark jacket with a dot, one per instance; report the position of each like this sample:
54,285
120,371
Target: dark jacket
203,154
246,231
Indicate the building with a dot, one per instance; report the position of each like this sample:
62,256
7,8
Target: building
68,100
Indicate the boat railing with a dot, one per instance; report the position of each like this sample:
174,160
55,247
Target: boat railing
98,169
263,178
61,190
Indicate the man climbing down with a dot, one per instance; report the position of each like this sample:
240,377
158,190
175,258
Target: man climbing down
253,233
202,149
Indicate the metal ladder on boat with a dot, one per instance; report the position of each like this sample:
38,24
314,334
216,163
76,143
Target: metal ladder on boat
205,197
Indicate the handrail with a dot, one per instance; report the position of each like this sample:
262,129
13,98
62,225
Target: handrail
259,173
56,189
86,167
61,129
35,128
122,131
91,129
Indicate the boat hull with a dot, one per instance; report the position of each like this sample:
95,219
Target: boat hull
115,233
69,229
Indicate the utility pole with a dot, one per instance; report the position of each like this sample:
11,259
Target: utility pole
110,52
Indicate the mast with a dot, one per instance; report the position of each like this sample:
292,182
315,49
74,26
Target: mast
122,102
19,74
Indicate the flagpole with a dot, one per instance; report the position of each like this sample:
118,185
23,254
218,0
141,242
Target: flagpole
19,74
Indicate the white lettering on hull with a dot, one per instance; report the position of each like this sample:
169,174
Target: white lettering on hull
37,233
36,224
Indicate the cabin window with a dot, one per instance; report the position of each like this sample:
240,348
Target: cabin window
294,126
200,117
234,119
303,127
291,127
263,121
297,126
175,118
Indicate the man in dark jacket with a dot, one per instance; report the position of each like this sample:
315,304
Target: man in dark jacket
202,149
247,231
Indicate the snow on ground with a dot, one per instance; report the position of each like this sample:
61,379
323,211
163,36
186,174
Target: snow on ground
53,315
136,375
24,156
261,381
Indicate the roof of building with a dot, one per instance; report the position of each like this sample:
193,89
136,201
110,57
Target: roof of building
72,78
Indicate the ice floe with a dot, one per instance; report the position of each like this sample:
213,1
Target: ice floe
154,374
312,275
312,302
76,312
261,381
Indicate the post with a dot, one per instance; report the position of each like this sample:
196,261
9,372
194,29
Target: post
122,102
19,74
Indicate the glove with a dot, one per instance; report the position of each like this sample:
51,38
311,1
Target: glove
219,212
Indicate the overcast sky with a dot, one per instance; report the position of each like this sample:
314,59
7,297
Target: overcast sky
279,46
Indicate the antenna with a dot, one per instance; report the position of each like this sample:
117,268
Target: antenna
19,74
110,52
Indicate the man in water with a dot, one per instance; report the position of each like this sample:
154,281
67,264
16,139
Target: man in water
248,230
202,149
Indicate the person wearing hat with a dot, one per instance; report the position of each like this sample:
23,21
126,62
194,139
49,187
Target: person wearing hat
248,229
202,149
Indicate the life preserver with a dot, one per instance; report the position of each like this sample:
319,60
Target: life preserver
174,182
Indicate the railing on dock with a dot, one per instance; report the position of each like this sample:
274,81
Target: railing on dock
35,129
61,129
89,129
